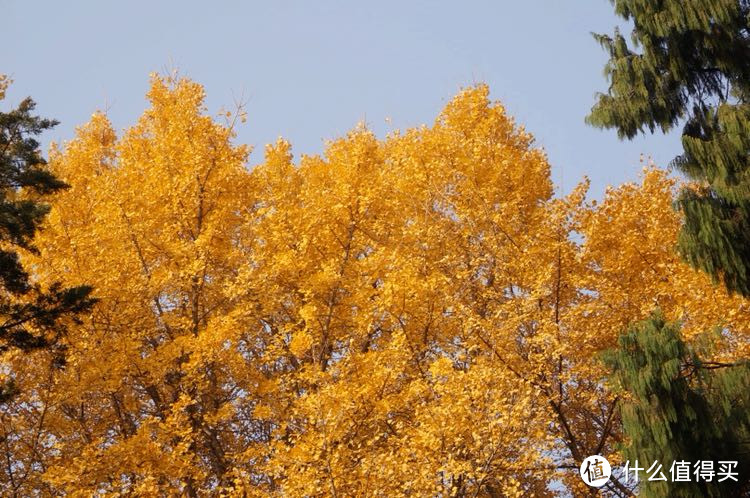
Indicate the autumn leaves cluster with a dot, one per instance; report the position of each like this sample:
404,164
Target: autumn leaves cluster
416,315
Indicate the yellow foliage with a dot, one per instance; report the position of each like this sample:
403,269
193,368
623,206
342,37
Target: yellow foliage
417,315
4,84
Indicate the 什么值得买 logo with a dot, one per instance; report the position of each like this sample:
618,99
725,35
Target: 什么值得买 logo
595,471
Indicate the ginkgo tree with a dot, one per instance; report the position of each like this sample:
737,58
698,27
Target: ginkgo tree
413,315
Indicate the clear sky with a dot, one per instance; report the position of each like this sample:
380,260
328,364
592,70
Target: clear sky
310,70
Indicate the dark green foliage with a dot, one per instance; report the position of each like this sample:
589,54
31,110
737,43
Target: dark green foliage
30,318
690,63
679,408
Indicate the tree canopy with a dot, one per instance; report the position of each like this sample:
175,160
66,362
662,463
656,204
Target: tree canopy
689,63
412,315
32,316
680,408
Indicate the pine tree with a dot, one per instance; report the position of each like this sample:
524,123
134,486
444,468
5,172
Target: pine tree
690,64
680,408
30,317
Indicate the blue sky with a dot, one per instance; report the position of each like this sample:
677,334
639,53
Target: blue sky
310,70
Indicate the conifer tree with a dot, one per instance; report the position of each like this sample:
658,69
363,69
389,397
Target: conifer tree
681,409
30,317
689,63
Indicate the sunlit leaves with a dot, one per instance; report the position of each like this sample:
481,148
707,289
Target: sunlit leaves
416,314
